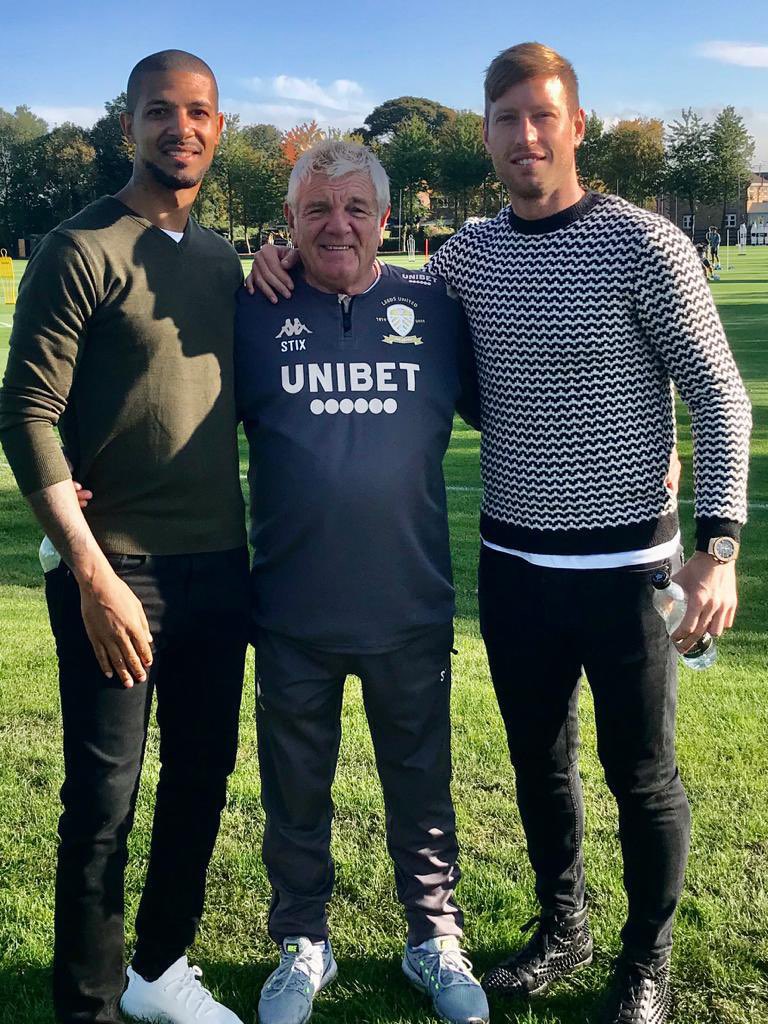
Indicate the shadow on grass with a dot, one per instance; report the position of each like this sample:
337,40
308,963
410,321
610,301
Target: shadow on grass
370,990
25,994
367,991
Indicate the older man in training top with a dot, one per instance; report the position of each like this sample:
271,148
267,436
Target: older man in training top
348,400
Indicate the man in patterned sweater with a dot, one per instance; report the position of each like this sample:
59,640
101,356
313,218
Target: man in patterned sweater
584,310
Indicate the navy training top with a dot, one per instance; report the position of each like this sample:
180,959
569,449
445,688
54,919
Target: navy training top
348,405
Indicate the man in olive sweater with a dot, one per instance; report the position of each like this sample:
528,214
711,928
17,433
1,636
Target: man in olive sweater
122,337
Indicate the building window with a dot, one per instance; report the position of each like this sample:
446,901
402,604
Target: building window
730,220
687,221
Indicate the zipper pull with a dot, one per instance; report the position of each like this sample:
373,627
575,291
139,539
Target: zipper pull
345,301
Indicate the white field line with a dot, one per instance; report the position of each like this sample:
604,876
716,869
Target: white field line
4,324
758,506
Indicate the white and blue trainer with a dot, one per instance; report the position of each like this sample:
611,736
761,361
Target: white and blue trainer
440,968
305,967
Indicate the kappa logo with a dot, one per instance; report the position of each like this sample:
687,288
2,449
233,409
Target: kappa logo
292,328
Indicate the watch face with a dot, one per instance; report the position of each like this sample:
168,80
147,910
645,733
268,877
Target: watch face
724,548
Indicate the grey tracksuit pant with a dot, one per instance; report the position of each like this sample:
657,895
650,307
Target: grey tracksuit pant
406,693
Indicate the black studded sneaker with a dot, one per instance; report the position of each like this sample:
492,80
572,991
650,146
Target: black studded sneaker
641,994
560,945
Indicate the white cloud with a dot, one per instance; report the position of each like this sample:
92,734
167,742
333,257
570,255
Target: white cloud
746,55
84,116
339,95
286,100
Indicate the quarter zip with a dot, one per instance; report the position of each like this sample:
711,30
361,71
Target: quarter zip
347,339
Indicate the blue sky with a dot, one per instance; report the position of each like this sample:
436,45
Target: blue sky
286,63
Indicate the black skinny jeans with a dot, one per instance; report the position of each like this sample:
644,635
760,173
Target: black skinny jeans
197,608
541,627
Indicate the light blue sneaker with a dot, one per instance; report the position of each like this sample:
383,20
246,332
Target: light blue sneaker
441,969
305,967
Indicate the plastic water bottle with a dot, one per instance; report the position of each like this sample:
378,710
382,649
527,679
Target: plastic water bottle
670,602
49,556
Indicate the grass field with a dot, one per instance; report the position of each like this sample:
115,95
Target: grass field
721,953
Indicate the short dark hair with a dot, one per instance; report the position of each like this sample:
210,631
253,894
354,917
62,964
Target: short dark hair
165,60
529,60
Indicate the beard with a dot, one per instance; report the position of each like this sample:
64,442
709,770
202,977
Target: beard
174,182
518,189
525,190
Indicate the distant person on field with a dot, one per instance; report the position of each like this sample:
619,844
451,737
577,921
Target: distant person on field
713,238
347,398
123,338
578,430
706,262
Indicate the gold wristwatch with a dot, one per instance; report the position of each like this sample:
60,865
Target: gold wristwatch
723,549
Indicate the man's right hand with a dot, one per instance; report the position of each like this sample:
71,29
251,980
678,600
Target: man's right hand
269,272
113,616
117,627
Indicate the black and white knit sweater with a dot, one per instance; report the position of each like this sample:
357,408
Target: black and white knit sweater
581,322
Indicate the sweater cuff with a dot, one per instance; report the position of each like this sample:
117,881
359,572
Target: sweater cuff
35,457
708,527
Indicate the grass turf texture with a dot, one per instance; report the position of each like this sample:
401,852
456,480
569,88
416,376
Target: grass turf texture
721,951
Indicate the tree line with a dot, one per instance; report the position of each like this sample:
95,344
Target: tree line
433,154
697,161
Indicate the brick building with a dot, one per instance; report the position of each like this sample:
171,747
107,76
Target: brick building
752,209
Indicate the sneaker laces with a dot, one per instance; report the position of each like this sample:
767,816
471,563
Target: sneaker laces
186,987
448,967
630,1008
292,965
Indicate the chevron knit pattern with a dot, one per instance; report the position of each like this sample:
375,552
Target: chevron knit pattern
580,329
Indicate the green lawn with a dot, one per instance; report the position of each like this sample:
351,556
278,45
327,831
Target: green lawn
721,952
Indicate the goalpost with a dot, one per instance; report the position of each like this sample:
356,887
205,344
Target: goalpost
7,280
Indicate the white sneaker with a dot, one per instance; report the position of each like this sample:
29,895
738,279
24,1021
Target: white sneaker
176,997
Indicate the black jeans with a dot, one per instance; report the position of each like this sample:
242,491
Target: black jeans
406,693
197,608
541,627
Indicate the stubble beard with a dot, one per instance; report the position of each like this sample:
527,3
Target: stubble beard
519,189
174,182
525,191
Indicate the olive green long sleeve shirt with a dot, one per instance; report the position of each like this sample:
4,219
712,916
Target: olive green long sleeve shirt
123,338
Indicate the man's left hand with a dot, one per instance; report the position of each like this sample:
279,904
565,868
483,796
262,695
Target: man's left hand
83,494
711,591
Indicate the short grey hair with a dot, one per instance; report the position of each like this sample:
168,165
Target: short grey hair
336,157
